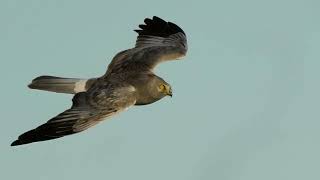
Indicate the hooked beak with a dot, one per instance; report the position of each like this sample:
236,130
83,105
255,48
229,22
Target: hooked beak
169,93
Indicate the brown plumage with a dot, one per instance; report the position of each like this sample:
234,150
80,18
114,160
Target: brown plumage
128,81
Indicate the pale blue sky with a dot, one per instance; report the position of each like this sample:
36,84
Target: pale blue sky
246,97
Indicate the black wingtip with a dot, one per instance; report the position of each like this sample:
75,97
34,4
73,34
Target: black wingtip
26,138
158,27
16,143
31,86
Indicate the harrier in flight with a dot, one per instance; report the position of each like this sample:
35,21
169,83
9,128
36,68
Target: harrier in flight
129,81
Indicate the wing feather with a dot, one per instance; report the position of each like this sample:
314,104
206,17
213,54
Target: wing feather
157,41
84,113
159,32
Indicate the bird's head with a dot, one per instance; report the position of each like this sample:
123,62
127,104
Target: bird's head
151,88
165,89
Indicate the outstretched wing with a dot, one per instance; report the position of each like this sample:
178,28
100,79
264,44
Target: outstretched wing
157,41
160,41
87,110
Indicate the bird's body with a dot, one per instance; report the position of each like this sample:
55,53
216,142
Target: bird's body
129,81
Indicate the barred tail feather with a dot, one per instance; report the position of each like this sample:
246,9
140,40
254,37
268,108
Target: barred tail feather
60,85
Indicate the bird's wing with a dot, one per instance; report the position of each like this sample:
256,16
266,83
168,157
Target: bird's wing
87,110
157,41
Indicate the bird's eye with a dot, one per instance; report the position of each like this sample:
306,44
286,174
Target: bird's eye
162,87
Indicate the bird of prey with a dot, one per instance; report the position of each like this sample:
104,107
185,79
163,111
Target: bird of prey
128,81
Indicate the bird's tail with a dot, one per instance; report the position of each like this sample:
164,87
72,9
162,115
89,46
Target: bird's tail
61,85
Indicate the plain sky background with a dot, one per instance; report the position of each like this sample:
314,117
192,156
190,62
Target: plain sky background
246,97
